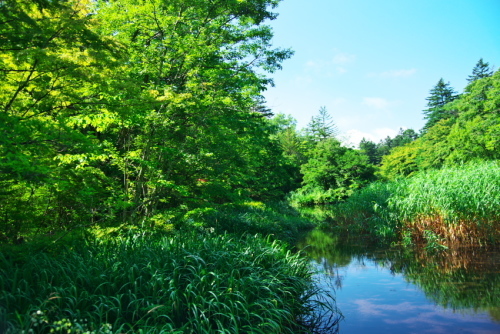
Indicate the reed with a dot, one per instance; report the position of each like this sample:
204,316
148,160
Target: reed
189,283
454,205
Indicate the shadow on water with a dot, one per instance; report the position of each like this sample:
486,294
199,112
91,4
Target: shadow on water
397,290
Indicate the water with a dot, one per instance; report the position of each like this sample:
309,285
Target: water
389,291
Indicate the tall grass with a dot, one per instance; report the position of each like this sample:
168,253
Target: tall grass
277,219
439,207
188,283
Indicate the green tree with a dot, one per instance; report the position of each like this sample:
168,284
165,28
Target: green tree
52,108
481,70
404,137
402,161
124,109
472,135
336,170
369,148
321,127
294,144
375,152
440,95
201,63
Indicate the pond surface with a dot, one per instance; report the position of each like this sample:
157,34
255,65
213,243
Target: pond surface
396,291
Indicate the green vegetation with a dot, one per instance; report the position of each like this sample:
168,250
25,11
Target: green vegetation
375,152
125,124
123,111
184,283
131,134
440,188
335,170
329,171
439,207
469,132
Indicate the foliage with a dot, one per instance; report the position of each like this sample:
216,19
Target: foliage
481,70
472,135
52,93
375,152
186,283
321,127
118,111
441,95
334,172
454,205
277,219
294,143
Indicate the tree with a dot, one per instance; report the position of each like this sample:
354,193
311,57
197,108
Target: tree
441,94
376,152
474,134
321,127
336,170
113,110
199,66
481,70
369,148
53,100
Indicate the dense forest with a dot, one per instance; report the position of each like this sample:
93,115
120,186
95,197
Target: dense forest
136,146
122,111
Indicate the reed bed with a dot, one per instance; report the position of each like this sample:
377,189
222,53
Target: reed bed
188,283
451,206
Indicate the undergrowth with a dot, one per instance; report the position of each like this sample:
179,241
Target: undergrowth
198,279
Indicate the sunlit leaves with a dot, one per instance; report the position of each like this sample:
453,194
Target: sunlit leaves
472,134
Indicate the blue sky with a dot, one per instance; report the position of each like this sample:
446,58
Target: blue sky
371,63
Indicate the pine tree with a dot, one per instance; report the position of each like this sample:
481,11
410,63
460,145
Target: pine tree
441,94
321,127
481,70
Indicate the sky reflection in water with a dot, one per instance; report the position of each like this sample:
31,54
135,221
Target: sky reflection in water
375,298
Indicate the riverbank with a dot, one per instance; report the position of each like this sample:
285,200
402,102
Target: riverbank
438,208
202,278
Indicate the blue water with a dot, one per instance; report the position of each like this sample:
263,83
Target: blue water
373,300
397,290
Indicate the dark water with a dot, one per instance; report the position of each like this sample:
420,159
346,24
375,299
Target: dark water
396,291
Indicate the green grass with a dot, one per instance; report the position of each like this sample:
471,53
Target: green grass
454,205
185,283
280,220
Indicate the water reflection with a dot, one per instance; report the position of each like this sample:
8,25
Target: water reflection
401,291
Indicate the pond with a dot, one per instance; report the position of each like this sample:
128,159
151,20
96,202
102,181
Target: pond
386,290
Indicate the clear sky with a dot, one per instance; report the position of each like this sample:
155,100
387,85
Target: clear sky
372,63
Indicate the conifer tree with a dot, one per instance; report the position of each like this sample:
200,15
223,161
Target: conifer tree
441,94
321,127
481,70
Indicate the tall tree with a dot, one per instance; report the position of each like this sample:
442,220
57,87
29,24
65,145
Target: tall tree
481,70
198,61
321,126
369,148
117,108
53,98
440,95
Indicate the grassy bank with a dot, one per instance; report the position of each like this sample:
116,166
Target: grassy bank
279,220
196,280
440,208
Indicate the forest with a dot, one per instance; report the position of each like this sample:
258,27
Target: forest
146,187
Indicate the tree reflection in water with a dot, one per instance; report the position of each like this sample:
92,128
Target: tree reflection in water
465,278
